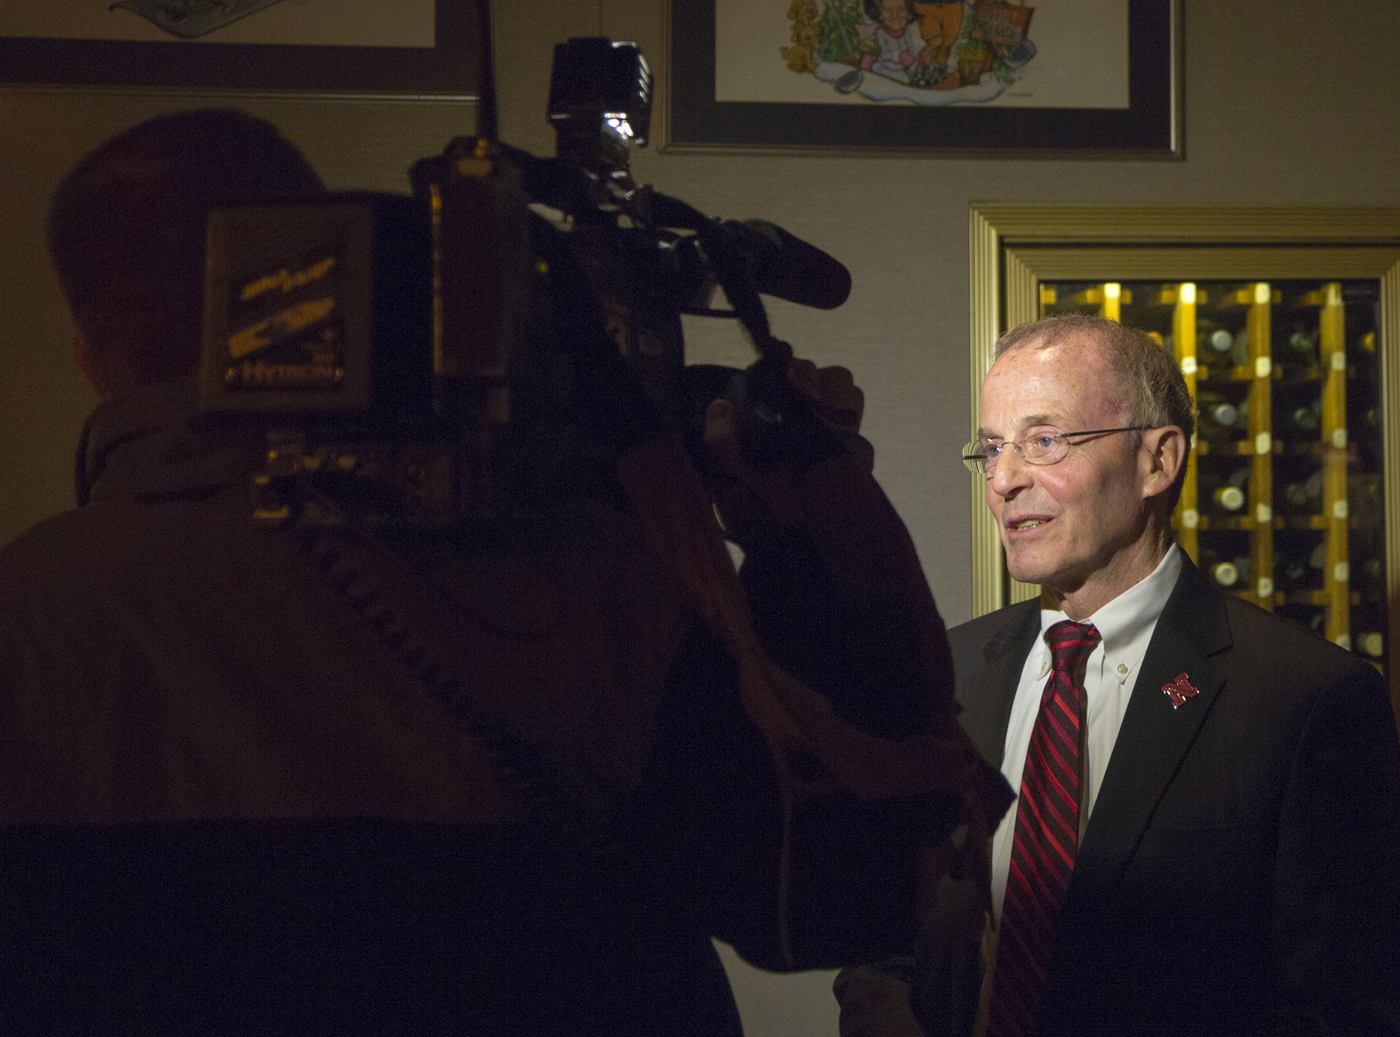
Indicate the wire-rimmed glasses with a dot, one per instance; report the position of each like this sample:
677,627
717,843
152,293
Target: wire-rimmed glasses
1044,447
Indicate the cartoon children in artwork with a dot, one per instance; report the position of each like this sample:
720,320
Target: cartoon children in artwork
897,33
940,24
914,40
913,47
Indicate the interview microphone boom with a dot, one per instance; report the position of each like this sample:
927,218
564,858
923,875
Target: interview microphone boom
786,267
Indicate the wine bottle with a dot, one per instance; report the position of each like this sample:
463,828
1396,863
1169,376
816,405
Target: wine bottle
1370,642
1299,347
1299,568
1225,494
1365,501
1226,572
1372,570
1301,422
1305,494
1368,577
1212,341
1239,348
1219,418
1362,355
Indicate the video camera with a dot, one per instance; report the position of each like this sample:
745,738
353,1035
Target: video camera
502,334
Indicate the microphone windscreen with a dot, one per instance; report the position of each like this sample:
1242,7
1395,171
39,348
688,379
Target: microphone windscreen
785,266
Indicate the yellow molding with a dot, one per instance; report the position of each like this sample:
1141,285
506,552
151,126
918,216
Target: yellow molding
1390,436
1204,264
1140,224
988,586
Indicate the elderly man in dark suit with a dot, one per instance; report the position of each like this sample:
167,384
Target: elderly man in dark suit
1207,839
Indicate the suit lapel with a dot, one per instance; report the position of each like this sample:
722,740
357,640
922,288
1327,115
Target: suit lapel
1154,737
990,698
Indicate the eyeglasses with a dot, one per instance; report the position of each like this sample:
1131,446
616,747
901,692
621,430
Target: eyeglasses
1042,448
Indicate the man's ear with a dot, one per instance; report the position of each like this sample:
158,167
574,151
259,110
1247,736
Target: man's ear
87,363
1165,452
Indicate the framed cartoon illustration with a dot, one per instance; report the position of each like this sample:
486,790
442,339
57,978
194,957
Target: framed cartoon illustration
1092,78
406,47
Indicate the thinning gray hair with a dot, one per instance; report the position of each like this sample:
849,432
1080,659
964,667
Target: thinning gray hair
1154,391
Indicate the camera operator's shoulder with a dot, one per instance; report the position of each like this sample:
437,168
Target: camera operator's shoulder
119,549
53,547
48,580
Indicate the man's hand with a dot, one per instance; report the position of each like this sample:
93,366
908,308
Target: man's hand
748,500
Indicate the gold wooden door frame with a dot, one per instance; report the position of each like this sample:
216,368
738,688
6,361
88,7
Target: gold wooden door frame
1015,247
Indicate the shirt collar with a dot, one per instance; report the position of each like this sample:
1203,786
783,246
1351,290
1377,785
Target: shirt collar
1126,623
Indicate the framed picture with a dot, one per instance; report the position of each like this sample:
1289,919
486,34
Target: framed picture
1096,78
408,47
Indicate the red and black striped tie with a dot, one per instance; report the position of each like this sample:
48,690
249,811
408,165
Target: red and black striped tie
1046,838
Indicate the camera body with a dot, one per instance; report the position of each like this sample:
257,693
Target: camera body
498,337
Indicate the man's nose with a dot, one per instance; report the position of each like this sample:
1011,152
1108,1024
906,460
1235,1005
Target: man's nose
1010,474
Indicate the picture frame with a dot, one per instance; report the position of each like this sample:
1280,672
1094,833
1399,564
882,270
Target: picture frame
450,68
1147,125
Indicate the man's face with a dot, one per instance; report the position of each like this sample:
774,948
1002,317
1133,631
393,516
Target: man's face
1081,521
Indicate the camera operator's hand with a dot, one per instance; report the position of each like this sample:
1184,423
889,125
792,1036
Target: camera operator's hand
832,391
749,500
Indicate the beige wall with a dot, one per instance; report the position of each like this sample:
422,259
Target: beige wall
1286,103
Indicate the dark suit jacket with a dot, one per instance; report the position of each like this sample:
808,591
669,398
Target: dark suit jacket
1241,869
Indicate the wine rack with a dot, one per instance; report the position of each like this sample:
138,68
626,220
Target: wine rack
1282,502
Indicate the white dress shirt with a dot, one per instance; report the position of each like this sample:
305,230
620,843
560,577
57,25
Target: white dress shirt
1125,625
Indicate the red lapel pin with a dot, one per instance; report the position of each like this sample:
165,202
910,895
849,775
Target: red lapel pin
1180,690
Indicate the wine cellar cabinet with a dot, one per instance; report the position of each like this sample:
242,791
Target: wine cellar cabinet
1283,323
1287,404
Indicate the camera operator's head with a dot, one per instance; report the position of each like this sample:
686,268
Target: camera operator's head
126,235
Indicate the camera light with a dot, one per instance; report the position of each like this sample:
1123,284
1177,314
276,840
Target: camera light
617,121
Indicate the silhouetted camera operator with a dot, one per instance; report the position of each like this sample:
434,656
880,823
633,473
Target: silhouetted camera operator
494,779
